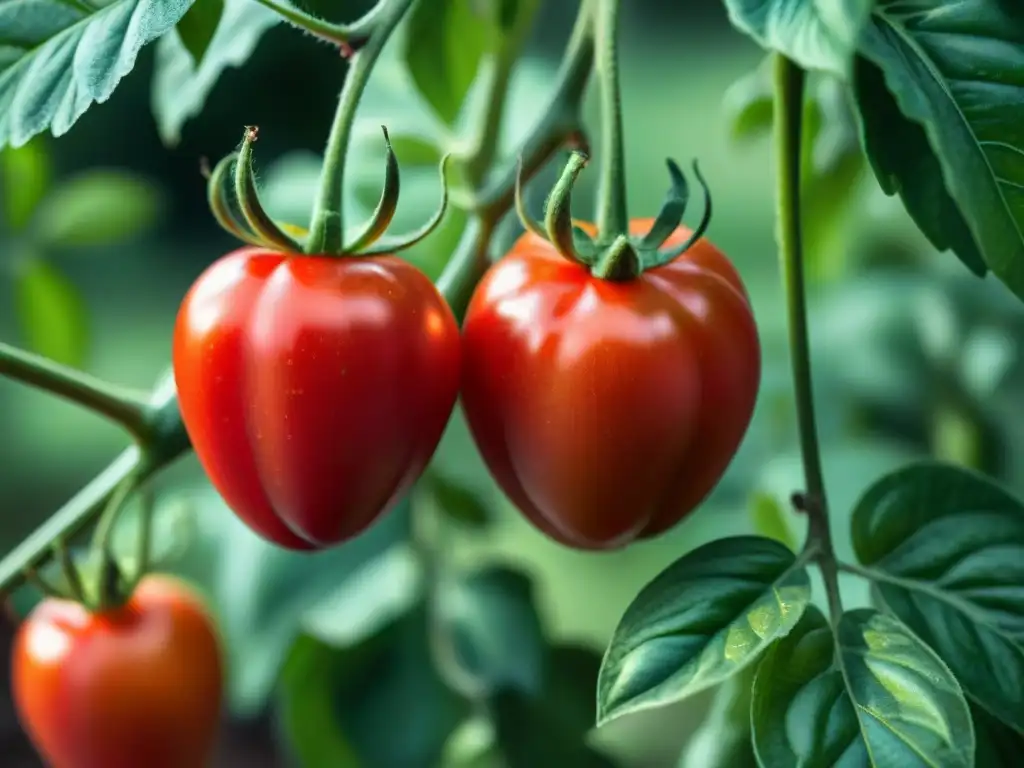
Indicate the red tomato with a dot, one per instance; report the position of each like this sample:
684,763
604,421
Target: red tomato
139,686
314,389
606,410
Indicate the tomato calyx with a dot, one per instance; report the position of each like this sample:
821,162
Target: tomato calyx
615,255
234,199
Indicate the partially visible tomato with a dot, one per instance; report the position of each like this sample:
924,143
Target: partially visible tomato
138,686
314,389
608,410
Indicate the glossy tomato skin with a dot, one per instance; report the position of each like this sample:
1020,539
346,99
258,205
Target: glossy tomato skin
314,389
607,411
137,686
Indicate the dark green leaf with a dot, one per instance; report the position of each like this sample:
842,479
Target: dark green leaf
947,549
265,596
382,698
550,728
64,58
24,179
704,618
180,87
53,316
494,628
957,69
197,27
98,207
904,163
871,695
456,500
444,44
997,745
815,35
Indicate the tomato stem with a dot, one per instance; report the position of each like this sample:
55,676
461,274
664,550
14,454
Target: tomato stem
69,571
341,35
612,209
326,230
788,117
116,403
109,575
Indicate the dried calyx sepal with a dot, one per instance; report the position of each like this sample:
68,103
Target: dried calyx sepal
615,255
235,202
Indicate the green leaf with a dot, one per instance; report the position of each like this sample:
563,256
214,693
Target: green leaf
870,695
904,164
700,621
997,745
180,87
550,728
955,69
340,702
25,173
749,103
814,34
946,547
723,739
265,596
770,519
495,630
58,59
53,317
197,27
456,499
445,41
98,207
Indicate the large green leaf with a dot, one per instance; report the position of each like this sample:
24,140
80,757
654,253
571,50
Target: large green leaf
266,596
957,70
495,631
181,86
870,695
946,548
701,620
57,58
52,313
379,703
817,34
550,726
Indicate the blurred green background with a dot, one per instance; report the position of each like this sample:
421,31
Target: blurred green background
912,356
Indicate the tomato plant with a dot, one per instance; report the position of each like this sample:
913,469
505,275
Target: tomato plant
314,390
136,684
608,409
355,529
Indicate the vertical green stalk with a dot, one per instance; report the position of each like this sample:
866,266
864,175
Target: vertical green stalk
788,116
327,228
612,208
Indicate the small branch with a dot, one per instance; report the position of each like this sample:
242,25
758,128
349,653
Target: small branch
789,96
118,404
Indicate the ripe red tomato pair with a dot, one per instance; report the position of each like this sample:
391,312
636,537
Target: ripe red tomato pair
316,389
